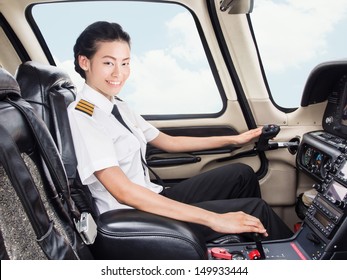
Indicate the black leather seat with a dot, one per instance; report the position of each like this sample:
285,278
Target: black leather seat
35,210
122,234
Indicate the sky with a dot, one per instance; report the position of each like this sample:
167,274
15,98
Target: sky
293,36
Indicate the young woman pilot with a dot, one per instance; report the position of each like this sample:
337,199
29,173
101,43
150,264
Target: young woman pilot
111,154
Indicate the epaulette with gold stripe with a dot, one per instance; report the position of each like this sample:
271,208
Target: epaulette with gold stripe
85,107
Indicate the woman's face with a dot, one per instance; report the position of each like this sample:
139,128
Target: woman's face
109,68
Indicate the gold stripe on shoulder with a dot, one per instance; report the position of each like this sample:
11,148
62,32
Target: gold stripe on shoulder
85,107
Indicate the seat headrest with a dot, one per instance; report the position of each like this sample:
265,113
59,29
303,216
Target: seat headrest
8,85
35,78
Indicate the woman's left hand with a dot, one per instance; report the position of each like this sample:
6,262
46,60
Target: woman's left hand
247,136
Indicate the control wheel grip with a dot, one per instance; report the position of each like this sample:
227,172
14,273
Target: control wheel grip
269,131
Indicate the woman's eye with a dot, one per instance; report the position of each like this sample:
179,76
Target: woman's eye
108,63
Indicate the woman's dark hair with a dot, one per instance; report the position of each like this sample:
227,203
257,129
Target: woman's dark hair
100,31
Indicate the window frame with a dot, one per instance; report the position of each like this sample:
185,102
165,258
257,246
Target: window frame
13,39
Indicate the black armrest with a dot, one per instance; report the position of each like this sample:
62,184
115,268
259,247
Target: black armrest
132,234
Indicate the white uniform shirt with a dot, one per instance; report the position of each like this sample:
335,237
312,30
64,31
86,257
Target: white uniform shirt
101,141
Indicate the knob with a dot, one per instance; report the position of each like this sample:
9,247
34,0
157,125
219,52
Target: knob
328,166
254,255
339,204
317,187
335,167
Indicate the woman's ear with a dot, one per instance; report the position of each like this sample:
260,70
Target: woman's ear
83,62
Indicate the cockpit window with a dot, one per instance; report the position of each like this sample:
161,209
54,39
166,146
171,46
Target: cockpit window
170,73
293,37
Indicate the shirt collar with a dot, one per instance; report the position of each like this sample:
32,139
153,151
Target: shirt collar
96,98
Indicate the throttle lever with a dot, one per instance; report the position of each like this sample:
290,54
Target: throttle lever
258,244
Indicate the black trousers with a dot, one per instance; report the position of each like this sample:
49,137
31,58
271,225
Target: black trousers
230,188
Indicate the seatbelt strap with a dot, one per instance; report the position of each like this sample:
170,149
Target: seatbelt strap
50,156
118,116
29,196
52,162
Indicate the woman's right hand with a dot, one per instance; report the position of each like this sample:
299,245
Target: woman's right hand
237,222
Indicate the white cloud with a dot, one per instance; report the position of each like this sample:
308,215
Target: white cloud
304,34
161,78
154,92
185,38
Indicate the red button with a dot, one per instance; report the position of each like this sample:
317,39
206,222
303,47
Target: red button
254,255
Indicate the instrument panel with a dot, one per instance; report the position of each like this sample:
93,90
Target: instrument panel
319,153
315,161
323,156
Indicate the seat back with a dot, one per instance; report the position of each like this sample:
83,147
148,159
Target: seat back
50,90
13,217
36,218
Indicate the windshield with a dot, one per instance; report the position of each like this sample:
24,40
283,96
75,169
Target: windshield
294,36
